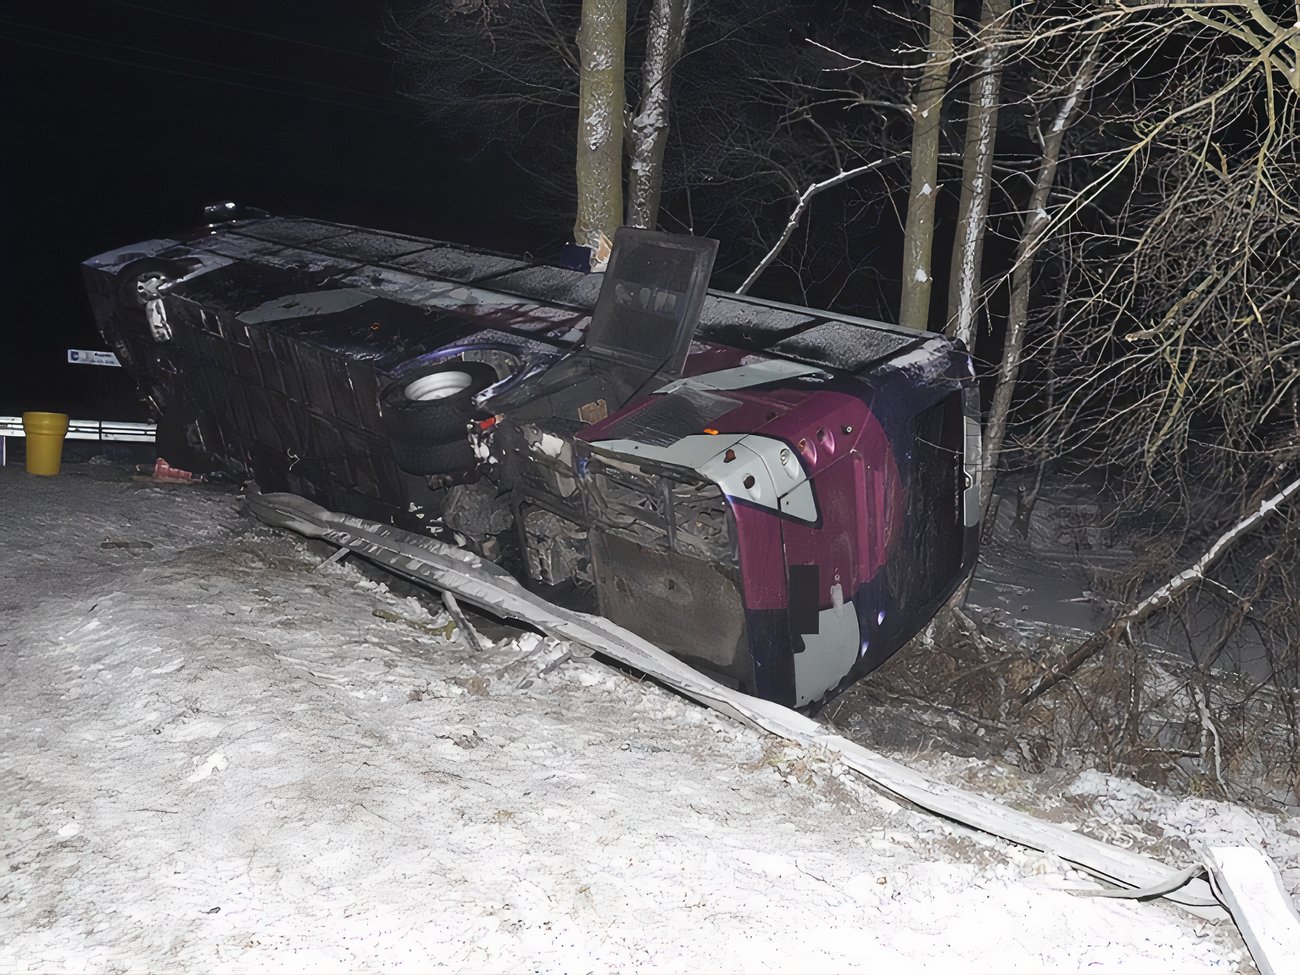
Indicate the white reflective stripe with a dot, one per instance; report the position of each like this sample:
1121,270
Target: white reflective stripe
117,430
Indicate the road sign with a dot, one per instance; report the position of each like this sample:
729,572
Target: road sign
89,357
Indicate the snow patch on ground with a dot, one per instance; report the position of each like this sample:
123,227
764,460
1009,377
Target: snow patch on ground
218,754
1175,829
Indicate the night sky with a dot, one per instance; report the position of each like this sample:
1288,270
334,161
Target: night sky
123,118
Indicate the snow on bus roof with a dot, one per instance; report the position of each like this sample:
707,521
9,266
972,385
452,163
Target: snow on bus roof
418,270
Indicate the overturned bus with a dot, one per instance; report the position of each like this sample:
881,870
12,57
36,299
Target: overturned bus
779,496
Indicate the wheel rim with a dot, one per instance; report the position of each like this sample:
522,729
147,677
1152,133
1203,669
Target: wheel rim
147,284
439,385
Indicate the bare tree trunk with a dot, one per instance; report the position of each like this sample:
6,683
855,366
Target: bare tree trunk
1159,599
1031,237
601,38
665,38
977,176
927,111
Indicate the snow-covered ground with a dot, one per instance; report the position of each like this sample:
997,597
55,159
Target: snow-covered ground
218,754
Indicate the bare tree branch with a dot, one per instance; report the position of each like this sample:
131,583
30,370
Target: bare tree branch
1160,598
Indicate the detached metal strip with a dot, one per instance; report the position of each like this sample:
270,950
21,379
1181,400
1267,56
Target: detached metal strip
119,430
1147,893
1251,887
484,584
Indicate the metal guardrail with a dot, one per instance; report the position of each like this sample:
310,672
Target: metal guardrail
120,430
481,583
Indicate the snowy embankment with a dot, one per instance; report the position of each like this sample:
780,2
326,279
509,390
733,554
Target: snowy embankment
218,756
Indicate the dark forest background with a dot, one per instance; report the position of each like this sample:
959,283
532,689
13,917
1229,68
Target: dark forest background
122,119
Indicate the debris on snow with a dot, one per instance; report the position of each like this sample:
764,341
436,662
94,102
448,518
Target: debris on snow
364,808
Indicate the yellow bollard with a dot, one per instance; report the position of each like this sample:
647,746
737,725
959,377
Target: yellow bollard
45,432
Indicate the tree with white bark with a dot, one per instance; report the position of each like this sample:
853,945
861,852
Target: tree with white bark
602,35
927,121
502,72
1143,153
1160,183
648,129
966,283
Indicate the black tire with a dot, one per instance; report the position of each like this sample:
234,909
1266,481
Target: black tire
434,421
437,458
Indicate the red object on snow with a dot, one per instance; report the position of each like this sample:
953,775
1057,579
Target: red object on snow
164,471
